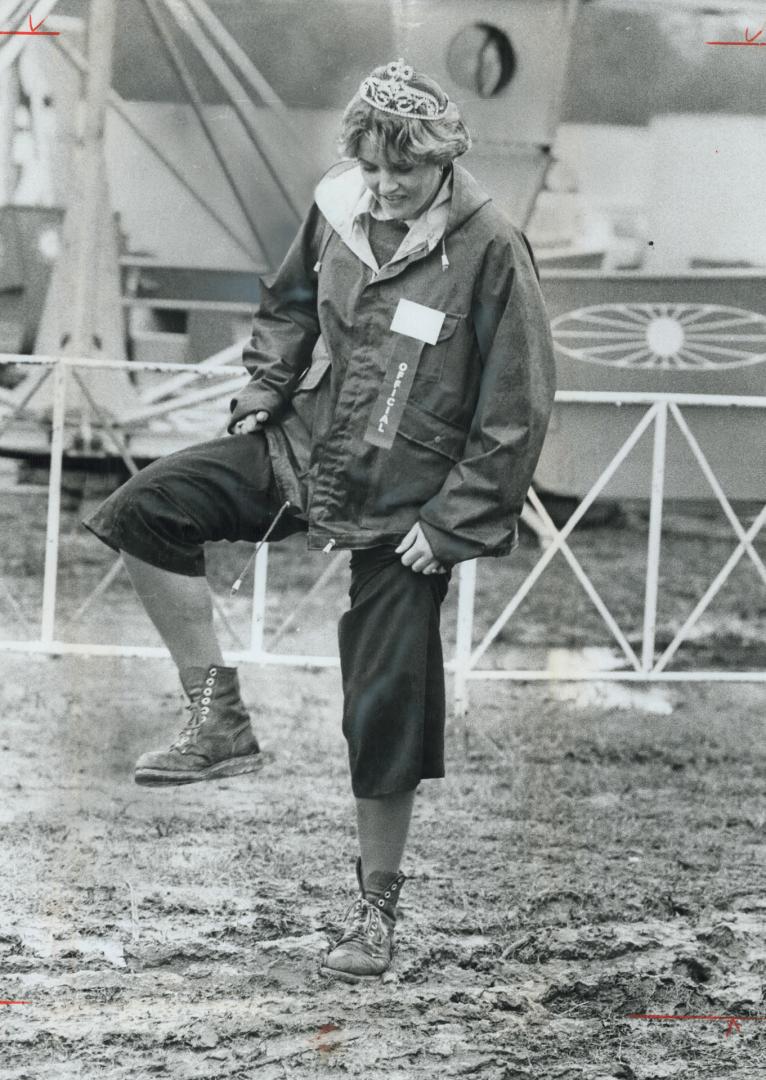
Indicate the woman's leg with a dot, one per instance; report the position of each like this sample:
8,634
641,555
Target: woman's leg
393,678
383,825
160,520
181,609
393,720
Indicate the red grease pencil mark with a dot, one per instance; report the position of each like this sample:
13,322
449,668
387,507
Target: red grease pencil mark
748,40
33,31
327,1046
733,1023
15,1002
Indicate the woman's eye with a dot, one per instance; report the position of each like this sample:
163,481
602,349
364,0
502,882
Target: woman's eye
403,169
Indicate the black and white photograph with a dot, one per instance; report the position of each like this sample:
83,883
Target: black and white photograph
383,539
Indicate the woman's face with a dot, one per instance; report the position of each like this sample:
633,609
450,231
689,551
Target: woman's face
403,190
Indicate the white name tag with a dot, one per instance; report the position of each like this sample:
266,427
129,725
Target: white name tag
418,321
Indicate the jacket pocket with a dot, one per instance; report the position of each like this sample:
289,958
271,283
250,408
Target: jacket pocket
313,375
431,365
420,426
310,400
401,480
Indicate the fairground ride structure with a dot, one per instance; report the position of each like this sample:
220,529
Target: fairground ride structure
157,171
211,173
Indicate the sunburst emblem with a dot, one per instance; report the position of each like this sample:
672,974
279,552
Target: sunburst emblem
665,337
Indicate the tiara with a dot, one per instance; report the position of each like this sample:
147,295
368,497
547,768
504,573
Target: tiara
394,95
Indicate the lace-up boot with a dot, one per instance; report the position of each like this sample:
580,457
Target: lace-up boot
216,740
365,946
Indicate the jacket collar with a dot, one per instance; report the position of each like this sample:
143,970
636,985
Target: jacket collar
344,198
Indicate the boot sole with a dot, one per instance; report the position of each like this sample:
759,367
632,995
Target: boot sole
349,976
231,767
346,976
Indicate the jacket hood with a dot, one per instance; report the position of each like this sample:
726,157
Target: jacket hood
340,189
468,196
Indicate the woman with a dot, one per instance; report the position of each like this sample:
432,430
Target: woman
408,433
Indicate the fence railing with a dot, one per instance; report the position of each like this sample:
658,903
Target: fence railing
643,665
647,666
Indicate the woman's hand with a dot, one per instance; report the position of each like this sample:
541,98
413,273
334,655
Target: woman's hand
416,553
251,422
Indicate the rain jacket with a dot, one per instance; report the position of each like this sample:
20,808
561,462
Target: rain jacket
372,430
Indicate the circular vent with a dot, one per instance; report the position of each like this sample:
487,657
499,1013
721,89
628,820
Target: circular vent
481,59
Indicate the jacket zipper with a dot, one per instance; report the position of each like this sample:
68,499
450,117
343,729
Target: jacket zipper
329,546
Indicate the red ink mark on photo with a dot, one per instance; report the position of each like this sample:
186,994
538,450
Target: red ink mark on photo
733,1023
15,1002
323,1045
33,31
748,40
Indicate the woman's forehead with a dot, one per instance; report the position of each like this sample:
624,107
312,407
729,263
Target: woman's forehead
374,154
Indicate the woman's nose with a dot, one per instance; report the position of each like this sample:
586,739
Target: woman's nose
387,183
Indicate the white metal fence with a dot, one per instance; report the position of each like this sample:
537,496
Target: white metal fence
645,665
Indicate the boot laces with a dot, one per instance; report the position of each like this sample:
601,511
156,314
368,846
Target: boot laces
187,736
362,920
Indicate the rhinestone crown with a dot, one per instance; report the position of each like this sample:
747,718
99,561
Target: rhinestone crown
394,94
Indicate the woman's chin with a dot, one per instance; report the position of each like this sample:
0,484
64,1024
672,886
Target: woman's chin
396,210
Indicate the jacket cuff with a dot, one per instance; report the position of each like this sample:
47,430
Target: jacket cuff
448,548
253,398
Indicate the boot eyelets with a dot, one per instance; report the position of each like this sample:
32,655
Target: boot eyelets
213,671
387,895
381,903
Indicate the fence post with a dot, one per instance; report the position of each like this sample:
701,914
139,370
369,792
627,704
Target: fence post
54,502
258,615
655,536
464,639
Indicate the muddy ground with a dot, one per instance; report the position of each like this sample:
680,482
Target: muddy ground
595,851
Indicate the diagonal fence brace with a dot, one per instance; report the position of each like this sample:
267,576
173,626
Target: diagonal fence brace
712,590
564,533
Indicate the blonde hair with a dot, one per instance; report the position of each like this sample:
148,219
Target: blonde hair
403,138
